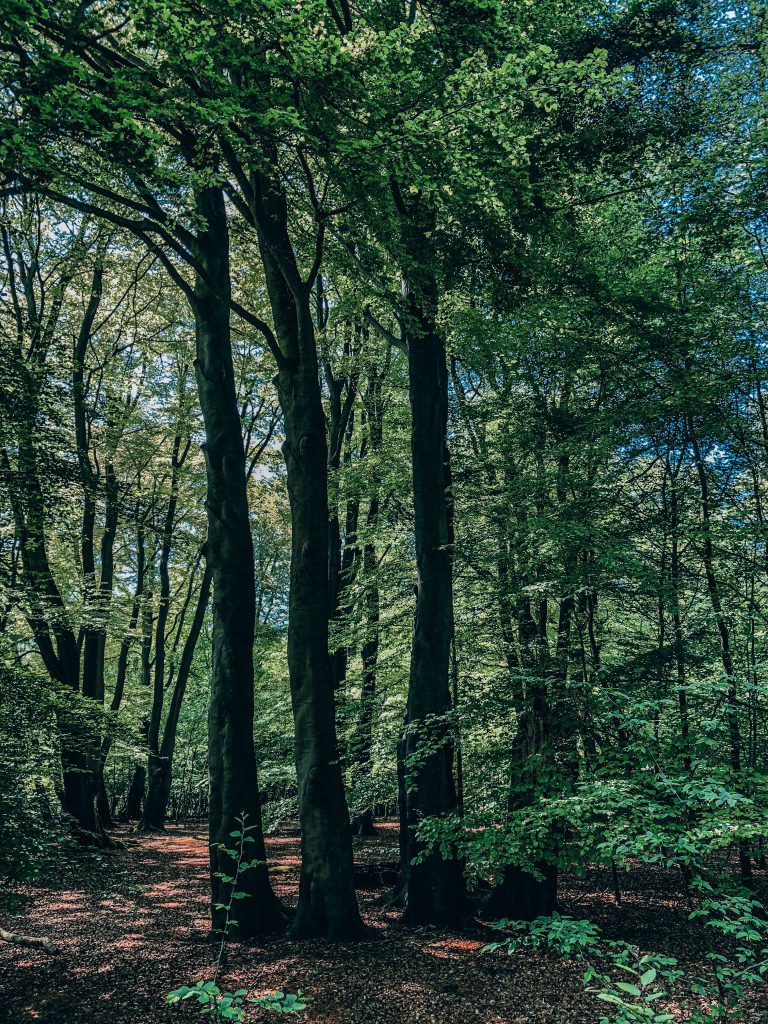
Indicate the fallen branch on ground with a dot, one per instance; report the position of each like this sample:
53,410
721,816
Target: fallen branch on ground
27,940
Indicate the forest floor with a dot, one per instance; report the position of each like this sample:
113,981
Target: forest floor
132,924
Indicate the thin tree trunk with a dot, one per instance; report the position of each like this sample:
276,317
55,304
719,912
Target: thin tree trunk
160,773
152,818
362,746
723,629
677,622
122,665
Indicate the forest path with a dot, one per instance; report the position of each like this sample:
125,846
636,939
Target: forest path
132,924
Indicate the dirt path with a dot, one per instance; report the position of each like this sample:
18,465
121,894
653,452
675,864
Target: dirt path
131,925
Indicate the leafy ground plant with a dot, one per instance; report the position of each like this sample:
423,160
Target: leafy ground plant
230,1006
638,985
225,1006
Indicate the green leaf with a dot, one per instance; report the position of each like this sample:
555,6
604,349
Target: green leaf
625,986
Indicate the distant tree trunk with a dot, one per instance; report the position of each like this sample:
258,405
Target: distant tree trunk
153,817
161,768
122,665
723,629
362,745
521,895
342,556
135,797
94,625
677,623
97,587
232,761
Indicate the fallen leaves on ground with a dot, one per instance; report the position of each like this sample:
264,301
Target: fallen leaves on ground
132,924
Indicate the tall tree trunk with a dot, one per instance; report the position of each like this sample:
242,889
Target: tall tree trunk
435,889
523,895
92,627
362,746
121,673
675,577
327,902
342,556
232,762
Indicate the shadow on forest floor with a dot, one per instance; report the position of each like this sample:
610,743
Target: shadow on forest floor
132,924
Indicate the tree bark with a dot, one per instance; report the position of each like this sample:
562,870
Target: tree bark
154,814
233,782
435,886
327,902
362,747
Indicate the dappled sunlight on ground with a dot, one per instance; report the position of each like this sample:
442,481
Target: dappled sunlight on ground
133,924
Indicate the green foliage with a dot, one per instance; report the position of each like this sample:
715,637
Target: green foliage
231,1006
565,936
281,1002
580,190
641,986
32,834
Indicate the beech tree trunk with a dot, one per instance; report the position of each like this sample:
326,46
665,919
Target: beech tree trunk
342,556
362,745
362,749
233,783
435,886
327,902
153,816
121,673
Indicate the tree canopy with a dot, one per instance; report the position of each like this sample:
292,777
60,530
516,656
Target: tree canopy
383,435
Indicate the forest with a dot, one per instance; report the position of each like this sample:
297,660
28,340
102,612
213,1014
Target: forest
383,511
